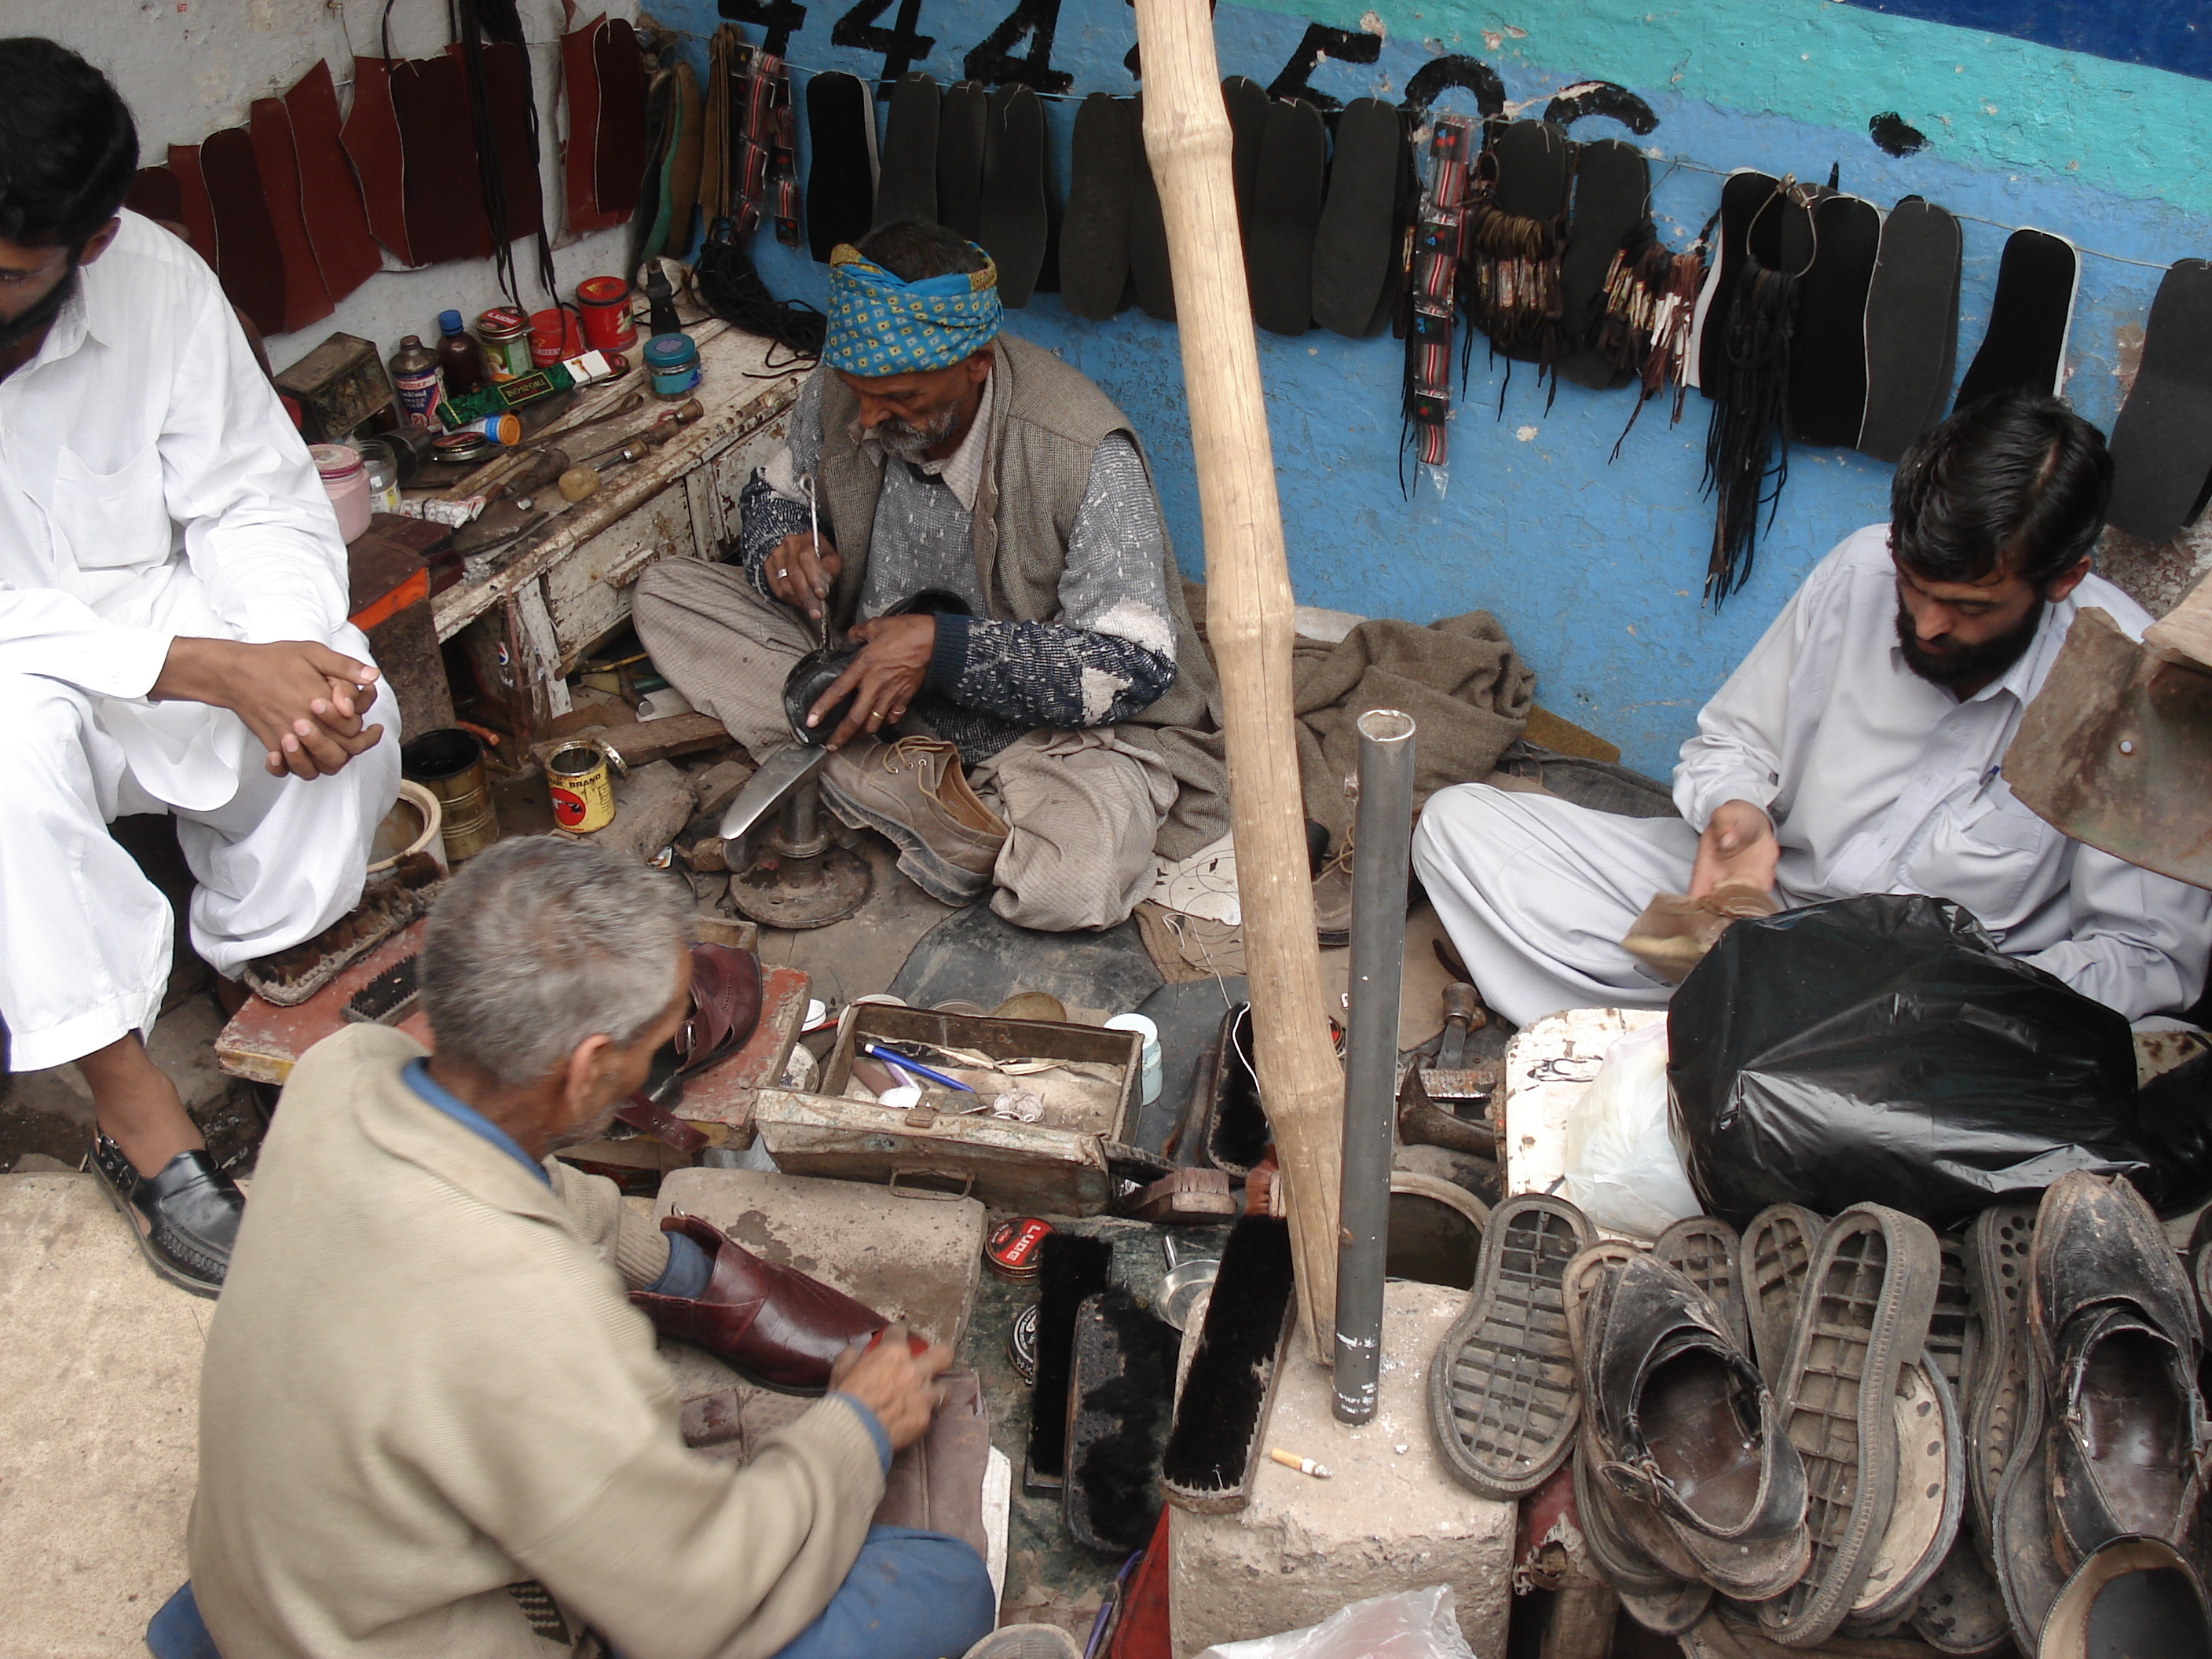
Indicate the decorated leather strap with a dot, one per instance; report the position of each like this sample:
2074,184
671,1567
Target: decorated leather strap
1436,271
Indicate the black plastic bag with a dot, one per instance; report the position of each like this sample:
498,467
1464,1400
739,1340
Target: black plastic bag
1882,1048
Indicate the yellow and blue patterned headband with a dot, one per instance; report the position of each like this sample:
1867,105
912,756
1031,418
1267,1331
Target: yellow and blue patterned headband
879,324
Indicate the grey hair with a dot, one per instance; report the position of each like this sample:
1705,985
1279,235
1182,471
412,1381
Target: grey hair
541,943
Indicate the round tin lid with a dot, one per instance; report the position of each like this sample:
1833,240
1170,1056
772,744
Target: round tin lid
602,290
335,461
1022,1344
1012,1249
502,320
669,350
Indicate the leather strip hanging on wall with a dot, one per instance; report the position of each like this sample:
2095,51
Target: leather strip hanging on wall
579,75
680,178
194,208
444,205
330,195
253,264
507,85
371,138
269,126
618,163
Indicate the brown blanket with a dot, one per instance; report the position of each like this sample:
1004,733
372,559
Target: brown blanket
1460,679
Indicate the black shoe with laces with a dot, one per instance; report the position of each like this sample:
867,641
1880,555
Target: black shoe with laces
187,1216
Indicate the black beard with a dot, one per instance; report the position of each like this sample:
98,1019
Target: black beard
1967,665
34,322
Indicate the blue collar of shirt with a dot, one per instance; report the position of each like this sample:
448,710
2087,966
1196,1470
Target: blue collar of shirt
418,1073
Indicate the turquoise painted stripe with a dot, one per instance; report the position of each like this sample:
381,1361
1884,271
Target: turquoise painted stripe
1986,100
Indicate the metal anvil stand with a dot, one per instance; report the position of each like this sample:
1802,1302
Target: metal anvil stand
798,876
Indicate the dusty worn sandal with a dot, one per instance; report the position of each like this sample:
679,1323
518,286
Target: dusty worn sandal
1961,1610
1869,1294
1503,1402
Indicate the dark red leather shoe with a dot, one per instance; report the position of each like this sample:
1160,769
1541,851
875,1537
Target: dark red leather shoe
774,1326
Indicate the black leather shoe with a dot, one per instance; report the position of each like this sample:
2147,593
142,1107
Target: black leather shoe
186,1217
2116,1328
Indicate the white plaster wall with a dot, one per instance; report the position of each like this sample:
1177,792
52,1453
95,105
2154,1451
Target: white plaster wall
192,67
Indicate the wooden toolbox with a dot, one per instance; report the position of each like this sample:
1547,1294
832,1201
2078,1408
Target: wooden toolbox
1056,1167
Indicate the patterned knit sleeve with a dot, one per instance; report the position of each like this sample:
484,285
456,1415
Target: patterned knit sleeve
773,505
1112,654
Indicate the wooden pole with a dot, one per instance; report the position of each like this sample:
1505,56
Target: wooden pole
1248,621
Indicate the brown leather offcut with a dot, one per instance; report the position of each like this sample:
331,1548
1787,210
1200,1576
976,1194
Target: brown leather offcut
618,161
269,125
154,192
445,199
579,75
193,208
329,196
371,138
252,262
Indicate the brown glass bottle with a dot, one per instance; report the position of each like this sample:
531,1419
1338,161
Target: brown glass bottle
458,355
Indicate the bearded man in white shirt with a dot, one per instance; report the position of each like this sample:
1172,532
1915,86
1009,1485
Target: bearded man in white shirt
1857,750
172,639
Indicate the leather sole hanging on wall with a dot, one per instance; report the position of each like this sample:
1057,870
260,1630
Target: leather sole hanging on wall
2031,315
1911,327
1613,196
2162,442
1827,356
1149,270
1246,101
1354,238
1286,201
906,193
251,268
371,138
1015,217
193,207
580,79
686,161
840,175
1094,237
269,126
1743,192
154,192
963,122
619,158
445,197
337,222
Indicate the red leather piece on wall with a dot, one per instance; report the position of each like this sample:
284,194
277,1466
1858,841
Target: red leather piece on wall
330,195
252,265
618,168
371,138
506,88
269,125
192,205
156,194
580,77
445,202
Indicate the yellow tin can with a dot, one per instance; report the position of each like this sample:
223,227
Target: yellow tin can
583,792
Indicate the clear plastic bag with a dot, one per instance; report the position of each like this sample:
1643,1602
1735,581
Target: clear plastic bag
1421,1624
1623,1168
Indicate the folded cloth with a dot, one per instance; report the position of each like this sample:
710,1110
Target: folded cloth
1460,679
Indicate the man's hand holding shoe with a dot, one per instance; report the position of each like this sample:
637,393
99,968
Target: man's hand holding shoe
895,1381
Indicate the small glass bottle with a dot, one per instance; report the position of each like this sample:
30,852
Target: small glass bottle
382,465
459,359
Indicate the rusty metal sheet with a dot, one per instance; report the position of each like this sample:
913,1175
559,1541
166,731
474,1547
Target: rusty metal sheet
2116,751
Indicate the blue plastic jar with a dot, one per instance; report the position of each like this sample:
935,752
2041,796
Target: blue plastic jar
673,363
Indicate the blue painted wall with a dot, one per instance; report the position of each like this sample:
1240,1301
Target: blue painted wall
1596,567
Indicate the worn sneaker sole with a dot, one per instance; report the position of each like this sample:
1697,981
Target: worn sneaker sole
1954,1337
1777,1248
1924,1518
1503,1402
165,1267
1869,1293
1706,1251
1996,1266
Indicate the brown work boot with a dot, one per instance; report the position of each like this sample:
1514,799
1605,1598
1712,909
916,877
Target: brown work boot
913,792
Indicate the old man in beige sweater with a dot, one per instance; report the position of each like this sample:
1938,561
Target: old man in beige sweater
428,1406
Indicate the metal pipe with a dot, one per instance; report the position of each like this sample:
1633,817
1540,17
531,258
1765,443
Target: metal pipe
1382,836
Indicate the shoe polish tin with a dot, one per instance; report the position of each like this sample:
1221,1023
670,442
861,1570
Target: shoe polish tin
1013,1251
1022,1344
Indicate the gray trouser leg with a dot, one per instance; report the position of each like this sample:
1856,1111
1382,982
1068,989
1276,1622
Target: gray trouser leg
722,644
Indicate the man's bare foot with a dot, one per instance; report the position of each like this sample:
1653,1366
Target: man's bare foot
136,1106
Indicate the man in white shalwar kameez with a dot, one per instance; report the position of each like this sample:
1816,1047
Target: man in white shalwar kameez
1857,750
172,639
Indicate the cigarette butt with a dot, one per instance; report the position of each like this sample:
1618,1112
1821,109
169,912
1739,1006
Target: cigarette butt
1302,1465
